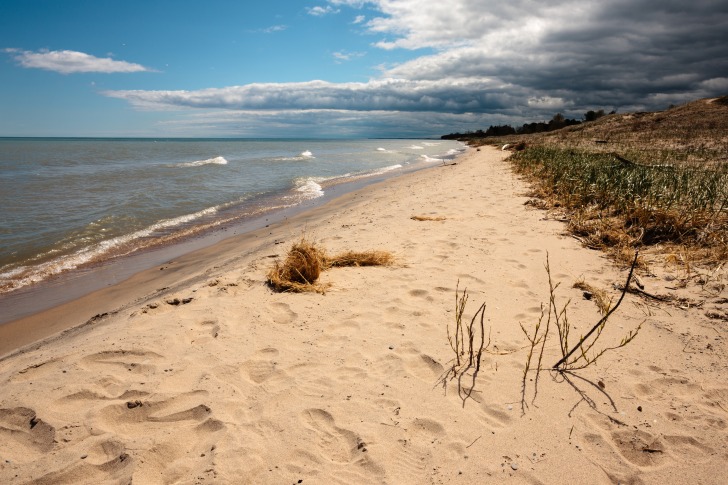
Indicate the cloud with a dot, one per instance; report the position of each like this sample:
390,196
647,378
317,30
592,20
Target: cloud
319,11
584,52
274,28
67,62
319,123
472,95
347,56
491,62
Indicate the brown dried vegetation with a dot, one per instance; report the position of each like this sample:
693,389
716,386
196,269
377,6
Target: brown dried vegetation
305,262
638,180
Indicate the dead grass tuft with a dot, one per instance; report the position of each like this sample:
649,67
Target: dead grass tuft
353,258
305,261
300,270
598,295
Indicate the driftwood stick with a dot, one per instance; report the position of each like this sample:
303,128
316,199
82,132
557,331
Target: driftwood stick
603,319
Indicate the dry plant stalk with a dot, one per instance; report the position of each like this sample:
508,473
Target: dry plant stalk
468,352
428,218
572,358
305,261
458,340
583,360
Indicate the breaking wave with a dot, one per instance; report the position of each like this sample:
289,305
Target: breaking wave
118,246
309,188
304,155
199,163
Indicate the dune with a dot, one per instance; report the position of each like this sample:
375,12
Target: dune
202,373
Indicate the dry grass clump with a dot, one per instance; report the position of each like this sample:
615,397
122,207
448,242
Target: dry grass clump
300,270
353,258
427,218
305,261
599,296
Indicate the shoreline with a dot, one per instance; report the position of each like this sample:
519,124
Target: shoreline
218,379
135,277
76,283
72,237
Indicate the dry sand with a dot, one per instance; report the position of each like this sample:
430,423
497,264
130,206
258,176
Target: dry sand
244,385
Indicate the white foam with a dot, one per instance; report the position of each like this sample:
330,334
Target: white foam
199,163
310,188
416,147
85,255
387,169
430,159
304,155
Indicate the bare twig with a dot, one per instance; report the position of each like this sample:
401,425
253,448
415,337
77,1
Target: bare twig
600,324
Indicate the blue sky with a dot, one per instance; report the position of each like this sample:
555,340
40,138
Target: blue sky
346,68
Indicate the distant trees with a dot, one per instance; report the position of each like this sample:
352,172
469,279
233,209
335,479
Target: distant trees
593,115
557,122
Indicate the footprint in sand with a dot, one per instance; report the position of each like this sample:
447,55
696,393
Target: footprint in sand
281,313
89,395
105,461
333,443
427,427
36,371
495,415
421,294
263,367
311,380
183,407
203,331
24,436
136,361
424,367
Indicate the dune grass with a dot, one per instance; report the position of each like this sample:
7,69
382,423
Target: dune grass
613,202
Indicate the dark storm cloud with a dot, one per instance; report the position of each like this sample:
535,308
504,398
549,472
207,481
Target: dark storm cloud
494,62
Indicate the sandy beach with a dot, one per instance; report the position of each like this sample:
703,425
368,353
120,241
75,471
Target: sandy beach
197,372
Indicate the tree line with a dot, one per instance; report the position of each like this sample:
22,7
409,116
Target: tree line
556,123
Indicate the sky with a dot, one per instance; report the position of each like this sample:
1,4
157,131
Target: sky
346,68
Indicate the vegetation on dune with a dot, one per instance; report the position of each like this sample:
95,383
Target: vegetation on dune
636,180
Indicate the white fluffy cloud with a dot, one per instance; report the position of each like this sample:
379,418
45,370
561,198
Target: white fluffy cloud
319,11
67,62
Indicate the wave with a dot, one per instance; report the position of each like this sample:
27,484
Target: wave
199,163
415,147
310,188
120,246
304,155
430,159
386,169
